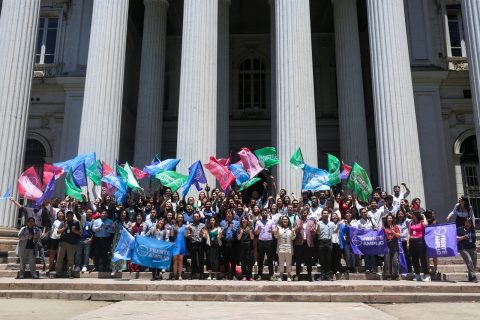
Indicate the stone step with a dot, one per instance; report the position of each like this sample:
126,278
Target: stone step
358,297
196,286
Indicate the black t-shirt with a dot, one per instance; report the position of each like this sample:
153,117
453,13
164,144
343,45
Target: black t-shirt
469,243
30,244
68,236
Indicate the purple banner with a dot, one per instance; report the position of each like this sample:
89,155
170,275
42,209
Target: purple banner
368,241
441,240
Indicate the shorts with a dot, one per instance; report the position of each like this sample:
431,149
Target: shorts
53,244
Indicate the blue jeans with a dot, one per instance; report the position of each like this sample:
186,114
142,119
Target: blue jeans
82,255
349,256
370,262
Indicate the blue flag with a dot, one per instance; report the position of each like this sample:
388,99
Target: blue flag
155,159
80,175
48,193
7,194
441,240
365,241
195,176
315,179
123,250
402,258
119,184
241,176
165,165
152,253
87,159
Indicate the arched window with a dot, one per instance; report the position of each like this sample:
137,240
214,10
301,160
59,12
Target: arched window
252,93
35,154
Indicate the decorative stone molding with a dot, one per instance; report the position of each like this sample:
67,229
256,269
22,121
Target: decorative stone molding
457,63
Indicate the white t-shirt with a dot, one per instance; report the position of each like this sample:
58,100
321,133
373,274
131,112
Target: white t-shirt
56,225
396,200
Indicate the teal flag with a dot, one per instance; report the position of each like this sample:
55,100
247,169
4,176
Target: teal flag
94,172
171,179
71,188
359,182
333,169
297,159
249,183
267,156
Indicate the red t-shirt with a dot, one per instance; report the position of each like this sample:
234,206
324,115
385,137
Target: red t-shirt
390,232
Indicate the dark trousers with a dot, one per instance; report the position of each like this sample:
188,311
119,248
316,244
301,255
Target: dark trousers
419,256
230,256
407,256
336,256
246,259
155,273
325,255
197,252
303,253
101,246
265,247
391,265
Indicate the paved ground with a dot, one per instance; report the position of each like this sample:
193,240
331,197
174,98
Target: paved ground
438,311
45,309
132,310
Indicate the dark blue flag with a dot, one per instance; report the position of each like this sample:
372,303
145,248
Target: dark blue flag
80,175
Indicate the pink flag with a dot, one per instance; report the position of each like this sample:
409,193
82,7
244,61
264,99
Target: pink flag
250,162
29,186
223,175
346,171
106,170
48,171
225,161
139,174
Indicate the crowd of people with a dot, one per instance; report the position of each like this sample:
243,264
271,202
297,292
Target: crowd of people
233,231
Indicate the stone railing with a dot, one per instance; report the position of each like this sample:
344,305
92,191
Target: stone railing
41,71
457,63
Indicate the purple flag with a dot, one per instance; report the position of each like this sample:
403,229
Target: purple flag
47,194
368,241
80,176
402,258
195,176
441,240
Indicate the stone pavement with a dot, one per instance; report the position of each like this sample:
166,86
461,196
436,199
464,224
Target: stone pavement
133,310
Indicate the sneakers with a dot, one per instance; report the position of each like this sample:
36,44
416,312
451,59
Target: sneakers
367,271
244,279
258,278
426,278
250,279
21,276
34,276
84,269
417,278
279,278
113,273
272,278
289,279
76,269
474,280
209,278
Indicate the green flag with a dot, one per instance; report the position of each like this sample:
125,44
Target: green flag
333,169
359,182
297,159
71,188
249,183
267,156
128,176
172,179
94,172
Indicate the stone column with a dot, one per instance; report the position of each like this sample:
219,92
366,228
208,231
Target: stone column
471,18
398,151
102,104
197,114
295,117
18,32
351,105
223,87
148,135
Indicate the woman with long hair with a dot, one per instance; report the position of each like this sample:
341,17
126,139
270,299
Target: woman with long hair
466,238
180,249
160,232
245,236
416,246
403,223
392,234
136,229
336,251
285,235
213,247
120,224
54,240
461,212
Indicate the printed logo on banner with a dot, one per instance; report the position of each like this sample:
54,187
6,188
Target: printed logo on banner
78,175
440,231
356,241
142,251
441,240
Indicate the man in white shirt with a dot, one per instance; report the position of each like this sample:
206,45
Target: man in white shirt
397,196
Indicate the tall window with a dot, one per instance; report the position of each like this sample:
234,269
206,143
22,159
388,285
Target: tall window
455,38
46,41
252,85
470,170
35,154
